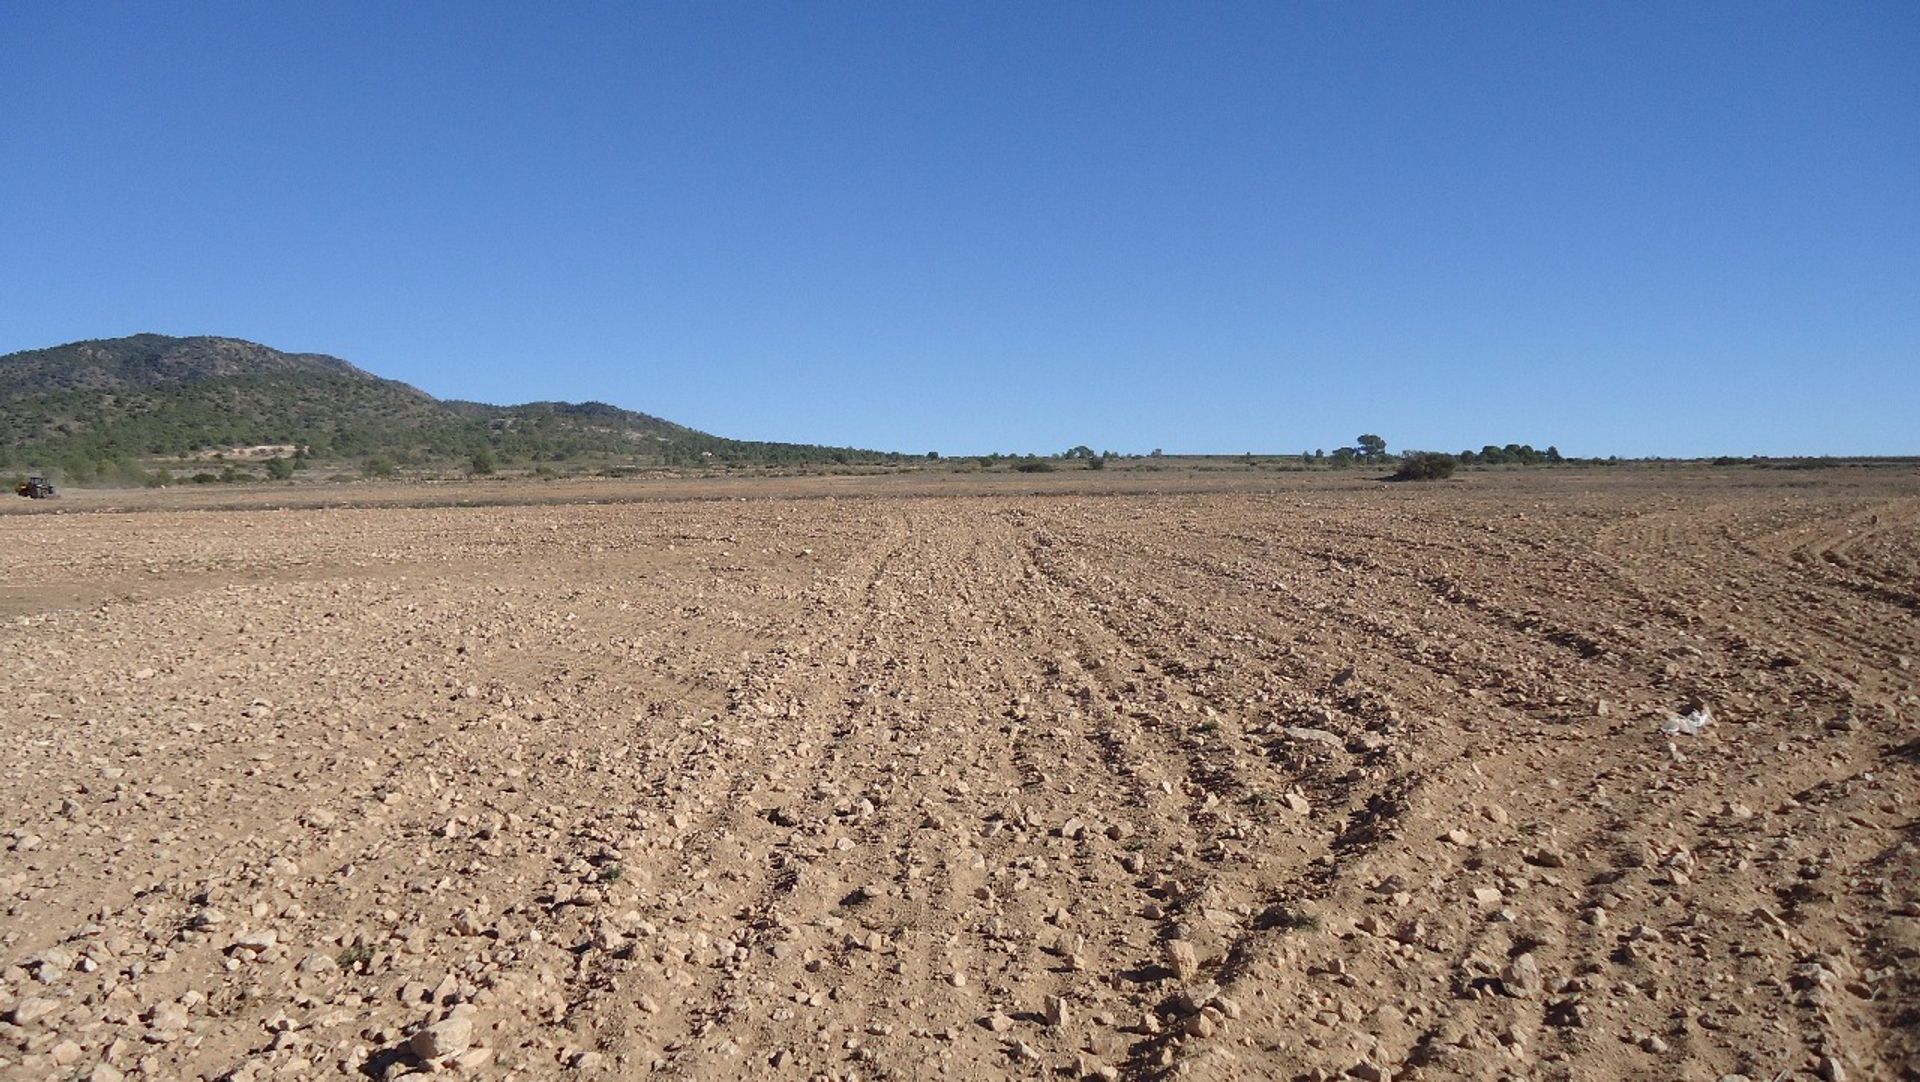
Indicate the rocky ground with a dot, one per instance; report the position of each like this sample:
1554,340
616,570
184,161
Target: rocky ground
1317,779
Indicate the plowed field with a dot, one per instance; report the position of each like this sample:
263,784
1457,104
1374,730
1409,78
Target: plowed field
1308,778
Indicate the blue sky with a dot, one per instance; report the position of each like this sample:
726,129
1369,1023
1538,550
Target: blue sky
1637,229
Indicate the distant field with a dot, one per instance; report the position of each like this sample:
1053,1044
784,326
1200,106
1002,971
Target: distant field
1245,774
1138,476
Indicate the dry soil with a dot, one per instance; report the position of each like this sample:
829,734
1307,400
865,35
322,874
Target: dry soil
1240,778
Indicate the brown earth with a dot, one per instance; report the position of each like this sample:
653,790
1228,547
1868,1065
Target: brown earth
1247,777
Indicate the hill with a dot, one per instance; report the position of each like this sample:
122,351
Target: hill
97,408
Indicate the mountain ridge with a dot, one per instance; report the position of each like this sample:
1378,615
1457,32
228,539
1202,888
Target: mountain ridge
85,404
147,359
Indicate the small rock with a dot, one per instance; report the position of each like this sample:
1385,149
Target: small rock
442,1039
1195,997
1521,979
1086,1066
65,1054
1181,959
256,942
168,1021
1544,857
31,1009
1306,735
1567,1014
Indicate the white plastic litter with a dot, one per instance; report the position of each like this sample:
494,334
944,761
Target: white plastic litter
1689,724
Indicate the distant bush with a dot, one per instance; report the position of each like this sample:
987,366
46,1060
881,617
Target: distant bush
1099,463
1513,454
1040,465
379,466
1425,466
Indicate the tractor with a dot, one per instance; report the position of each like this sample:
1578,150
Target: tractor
37,488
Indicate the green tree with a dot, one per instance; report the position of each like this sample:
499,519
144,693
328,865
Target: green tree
1371,446
482,464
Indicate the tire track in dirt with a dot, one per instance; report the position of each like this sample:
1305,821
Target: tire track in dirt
1251,911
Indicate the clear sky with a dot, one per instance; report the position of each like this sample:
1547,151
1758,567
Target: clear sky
1660,228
